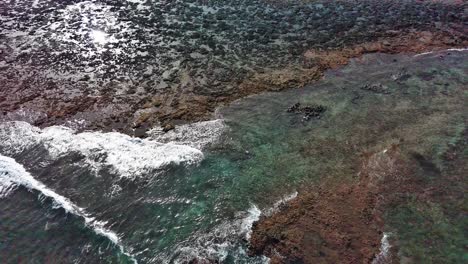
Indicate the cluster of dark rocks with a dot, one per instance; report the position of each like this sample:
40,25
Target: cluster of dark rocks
401,75
376,88
307,112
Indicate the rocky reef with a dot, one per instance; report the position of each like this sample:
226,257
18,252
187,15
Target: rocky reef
333,223
377,152
397,194
344,223
129,65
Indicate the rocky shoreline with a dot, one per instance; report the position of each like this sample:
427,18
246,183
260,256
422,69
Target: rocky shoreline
401,204
388,152
59,67
138,65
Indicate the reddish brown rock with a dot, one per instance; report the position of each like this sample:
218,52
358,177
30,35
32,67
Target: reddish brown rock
192,107
333,223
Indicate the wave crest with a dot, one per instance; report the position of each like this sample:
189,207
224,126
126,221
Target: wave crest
127,156
14,174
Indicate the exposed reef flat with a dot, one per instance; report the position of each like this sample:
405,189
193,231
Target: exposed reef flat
129,65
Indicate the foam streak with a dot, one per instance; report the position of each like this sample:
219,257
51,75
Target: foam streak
13,174
127,156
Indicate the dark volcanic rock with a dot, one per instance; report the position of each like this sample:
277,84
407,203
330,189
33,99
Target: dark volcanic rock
307,112
376,88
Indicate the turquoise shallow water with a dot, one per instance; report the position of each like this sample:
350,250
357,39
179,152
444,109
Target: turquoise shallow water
180,211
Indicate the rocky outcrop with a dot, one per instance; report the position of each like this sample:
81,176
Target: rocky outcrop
333,223
307,112
345,222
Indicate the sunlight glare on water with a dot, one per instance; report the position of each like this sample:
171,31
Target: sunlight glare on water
99,37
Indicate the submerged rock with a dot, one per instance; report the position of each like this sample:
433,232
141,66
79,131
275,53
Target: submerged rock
294,108
332,223
307,112
376,88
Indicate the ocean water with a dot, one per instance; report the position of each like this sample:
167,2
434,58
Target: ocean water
92,197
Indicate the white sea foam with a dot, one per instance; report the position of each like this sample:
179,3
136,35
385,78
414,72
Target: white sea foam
23,114
431,52
283,201
16,137
6,186
222,241
384,253
197,135
253,216
13,174
127,156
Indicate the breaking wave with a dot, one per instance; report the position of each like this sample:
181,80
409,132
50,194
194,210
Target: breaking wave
13,174
127,156
280,203
197,135
228,238
224,239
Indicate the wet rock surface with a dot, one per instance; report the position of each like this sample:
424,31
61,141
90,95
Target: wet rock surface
376,88
121,65
331,223
307,112
396,203
346,222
